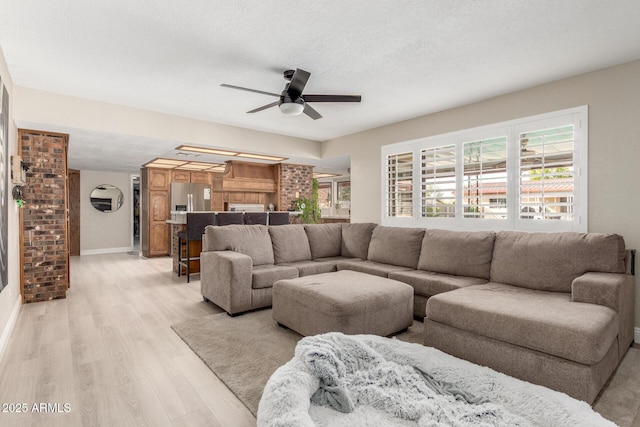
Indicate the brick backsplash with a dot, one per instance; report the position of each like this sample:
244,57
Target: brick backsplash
44,217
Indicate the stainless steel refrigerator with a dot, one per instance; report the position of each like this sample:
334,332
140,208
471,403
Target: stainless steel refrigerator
200,197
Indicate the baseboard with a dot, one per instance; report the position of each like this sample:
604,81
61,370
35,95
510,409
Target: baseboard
636,335
104,251
8,329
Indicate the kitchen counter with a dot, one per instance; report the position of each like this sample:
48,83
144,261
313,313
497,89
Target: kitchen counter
327,219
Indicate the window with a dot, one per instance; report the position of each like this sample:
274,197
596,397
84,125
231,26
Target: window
485,176
344,195
498,203
438,182
399,200
324,195
526,174
546,174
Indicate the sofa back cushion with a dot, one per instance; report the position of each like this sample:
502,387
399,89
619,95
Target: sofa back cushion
325,240
459,253
251,240
356,238
550,261
290,243
396,245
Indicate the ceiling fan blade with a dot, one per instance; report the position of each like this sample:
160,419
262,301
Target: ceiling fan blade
249,90
264,107
332,98
311,112
298,82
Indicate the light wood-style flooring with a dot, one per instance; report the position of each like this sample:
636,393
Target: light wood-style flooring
108,351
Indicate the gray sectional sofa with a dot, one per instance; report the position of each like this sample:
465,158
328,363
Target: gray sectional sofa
556,309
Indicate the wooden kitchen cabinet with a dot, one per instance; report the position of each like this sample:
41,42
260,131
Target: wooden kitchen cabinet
236,197
217,201
159,201
245,197
252,198
158,239
159,179
180,176
200,177
155,232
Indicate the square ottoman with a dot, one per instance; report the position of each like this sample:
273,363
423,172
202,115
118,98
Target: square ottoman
343,301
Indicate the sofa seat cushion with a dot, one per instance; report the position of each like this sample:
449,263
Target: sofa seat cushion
336,259
428,283
307,268
251,240
396,246
370,267
290,243
548,322
263,276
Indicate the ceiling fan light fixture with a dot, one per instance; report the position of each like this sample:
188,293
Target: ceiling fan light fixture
292,101
292,108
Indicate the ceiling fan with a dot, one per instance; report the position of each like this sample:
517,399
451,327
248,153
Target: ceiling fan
292,101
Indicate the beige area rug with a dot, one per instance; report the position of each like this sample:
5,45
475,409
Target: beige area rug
244,351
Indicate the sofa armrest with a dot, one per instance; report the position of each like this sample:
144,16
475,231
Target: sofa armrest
225,280
600,288
613,290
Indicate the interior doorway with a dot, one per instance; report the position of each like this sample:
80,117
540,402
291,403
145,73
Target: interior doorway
135,213
74,212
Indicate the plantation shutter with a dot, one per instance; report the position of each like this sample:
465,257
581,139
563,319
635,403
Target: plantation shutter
399,200
438,182
547,174
485,178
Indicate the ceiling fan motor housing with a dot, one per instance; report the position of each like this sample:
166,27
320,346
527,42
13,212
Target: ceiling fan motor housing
288,74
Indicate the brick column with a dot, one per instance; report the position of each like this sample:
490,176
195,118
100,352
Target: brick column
295,179
45,256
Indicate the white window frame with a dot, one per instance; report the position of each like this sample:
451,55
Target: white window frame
391,150
578,116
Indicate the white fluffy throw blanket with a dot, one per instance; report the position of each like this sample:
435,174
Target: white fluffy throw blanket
366,380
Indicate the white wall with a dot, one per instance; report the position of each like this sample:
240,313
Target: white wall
10,296
104,232
46,108
613,97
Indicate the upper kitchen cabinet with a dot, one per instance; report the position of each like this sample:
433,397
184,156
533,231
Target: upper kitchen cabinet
158,179
185,176
180,176
200,177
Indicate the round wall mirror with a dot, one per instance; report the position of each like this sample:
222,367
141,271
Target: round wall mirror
106,198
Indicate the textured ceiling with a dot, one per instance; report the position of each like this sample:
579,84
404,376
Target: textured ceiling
406,58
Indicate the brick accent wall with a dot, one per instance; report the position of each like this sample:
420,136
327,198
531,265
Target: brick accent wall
294,178
44,217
